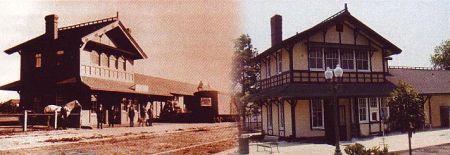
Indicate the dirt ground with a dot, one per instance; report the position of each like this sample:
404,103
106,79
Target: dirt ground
146,143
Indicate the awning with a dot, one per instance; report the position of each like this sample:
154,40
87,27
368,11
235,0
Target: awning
13,86
300,90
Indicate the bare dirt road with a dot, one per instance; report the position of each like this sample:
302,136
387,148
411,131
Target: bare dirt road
204,140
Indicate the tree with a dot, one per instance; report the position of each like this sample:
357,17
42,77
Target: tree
441,57
406,110
244,72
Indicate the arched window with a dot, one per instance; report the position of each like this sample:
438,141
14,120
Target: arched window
104,60
121,63
112,61
95,58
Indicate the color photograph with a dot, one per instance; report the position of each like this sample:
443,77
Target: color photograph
225,77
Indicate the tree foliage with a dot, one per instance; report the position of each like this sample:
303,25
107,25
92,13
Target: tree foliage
406,109
244,73
441,57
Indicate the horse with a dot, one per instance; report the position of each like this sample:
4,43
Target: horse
64,111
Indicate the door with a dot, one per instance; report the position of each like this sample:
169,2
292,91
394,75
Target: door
342,123
445,116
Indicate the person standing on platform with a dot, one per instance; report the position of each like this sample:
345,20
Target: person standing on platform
131,115
111,116
150,116
100,117
142,116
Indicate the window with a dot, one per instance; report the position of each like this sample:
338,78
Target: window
38,60
362,108
316,58
347,59
124,64
104,60
268,69
281,112
95,58
331,57
362,60
112,62
279,63
374,110
120,63
59,58
317,121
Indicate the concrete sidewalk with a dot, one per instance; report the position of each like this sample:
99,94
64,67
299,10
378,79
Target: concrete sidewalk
40,138
395,142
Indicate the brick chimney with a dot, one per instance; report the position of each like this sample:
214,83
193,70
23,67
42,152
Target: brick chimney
51,26
276,27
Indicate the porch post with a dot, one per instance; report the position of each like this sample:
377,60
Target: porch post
293,104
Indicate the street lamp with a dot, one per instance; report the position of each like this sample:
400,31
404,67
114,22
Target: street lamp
329,73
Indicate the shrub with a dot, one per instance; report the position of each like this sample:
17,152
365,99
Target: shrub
359,149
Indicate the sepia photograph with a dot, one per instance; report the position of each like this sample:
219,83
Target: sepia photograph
225,77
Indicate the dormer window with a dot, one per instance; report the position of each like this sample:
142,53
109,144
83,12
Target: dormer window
38,60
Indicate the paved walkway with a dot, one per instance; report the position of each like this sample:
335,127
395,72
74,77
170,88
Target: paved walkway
39,138
395,142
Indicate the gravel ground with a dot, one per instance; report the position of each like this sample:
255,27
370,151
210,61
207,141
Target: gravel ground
138,140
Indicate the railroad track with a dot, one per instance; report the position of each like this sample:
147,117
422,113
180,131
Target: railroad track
152,140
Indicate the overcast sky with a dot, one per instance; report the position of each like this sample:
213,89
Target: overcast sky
192,41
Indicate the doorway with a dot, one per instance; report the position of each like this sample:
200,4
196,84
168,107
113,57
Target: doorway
342,123
445,116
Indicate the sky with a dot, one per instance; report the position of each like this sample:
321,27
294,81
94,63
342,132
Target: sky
185,40
416,27
192,40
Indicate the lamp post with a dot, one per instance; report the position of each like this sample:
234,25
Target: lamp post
337,73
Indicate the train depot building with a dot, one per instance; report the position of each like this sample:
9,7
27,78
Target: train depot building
93,63
297,101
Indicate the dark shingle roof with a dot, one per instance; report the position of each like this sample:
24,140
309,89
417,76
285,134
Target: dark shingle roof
65,34
156,86
424,81
73,34
308,90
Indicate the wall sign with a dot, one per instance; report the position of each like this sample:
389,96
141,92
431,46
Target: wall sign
205,102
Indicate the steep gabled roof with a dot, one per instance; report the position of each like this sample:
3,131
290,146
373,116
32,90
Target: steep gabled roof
74,33
338,17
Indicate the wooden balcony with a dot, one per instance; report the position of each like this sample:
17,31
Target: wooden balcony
305,76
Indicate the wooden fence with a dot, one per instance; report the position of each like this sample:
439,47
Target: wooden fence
26,115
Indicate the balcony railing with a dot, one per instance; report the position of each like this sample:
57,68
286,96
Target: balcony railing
305,76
